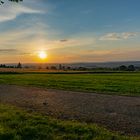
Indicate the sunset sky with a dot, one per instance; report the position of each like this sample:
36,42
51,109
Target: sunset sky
70,30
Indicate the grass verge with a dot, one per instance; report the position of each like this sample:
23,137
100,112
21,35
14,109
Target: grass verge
16,124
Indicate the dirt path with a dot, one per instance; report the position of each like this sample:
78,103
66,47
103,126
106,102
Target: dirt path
114,112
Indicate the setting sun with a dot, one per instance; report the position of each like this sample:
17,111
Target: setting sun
42,55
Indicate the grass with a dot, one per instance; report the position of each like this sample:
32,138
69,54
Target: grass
16,124
109,83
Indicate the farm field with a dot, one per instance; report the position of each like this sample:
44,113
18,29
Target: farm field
109,83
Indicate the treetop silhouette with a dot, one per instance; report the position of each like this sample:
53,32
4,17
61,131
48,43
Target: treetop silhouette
2,2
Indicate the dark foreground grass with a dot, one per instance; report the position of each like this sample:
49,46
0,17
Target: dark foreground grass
17,124
110,83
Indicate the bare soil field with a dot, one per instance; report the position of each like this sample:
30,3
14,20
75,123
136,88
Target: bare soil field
118,113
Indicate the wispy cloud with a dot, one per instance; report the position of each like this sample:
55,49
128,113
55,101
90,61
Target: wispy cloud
63,40
14,52
8,50
71,42
118,36
11,11
128,35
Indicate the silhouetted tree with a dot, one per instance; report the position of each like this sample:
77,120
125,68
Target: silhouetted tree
123,68
131,68
19,65
2,66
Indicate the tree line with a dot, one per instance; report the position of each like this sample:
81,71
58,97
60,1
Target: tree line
126,68
63,67
19,65
120,68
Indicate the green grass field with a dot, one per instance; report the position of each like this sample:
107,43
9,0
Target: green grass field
110,83
17,124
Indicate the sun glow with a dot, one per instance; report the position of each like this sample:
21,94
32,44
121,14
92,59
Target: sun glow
42,55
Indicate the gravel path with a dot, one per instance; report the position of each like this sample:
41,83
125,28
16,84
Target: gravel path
119,113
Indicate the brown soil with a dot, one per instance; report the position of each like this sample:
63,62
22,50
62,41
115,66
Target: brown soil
118,113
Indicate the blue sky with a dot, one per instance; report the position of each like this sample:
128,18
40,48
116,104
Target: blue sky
70,30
